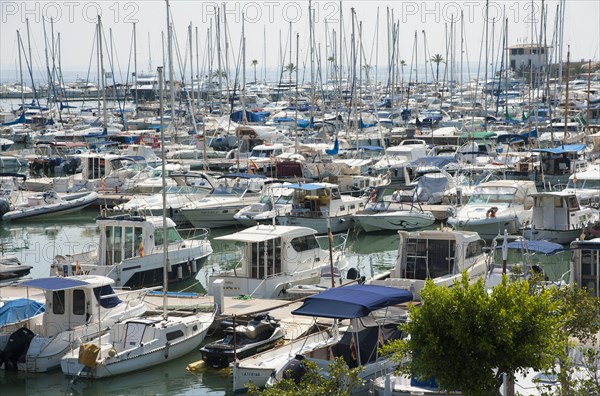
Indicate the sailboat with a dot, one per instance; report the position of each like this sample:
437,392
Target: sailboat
146,341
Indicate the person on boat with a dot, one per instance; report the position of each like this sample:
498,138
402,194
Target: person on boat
396,195
491,212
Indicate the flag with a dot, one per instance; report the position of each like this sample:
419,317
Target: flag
381,339
353,348
141,249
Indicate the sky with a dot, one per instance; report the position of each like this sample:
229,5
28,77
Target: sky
267,26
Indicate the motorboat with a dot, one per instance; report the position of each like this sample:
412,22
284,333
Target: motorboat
385,213
225,200
190,187
440,255
11,269
131,250
262,332
139,343
557,217
276,200
78,308
496,206
372,321
321,206
518,257
275,258
50,204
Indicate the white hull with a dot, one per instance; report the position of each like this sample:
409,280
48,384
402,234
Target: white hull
139,357
213,217
51,210
487,228
258,368
394,221
337,224
557,236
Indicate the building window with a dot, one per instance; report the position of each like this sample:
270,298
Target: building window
521,51
514,51
542,51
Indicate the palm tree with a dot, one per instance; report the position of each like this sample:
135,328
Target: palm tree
219,73
331,59
578,70
254,63
367,69
437,59
290,68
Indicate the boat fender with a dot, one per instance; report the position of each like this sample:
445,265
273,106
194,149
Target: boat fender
167,346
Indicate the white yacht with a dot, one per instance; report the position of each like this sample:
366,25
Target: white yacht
131,251
78,308
557,217
275,258
496,206
321,206
440,255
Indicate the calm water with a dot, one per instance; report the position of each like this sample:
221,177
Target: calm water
36,243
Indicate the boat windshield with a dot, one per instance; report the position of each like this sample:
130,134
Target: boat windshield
284,199
486,195
584,183
185,190
172,236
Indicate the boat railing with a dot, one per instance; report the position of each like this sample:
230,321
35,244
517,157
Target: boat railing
338,244
194,233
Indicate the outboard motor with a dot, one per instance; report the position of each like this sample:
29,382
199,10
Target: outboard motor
16,347
295,369
4,206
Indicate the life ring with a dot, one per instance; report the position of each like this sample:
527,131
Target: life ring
491,212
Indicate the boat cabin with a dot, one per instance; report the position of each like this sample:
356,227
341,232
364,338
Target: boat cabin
562,160
273,258
315,199
73,301
558,211
585,265
440,255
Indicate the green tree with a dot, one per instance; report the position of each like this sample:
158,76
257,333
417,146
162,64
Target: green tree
578,70
339,382
219,73
437,59
254,63
290,68
466,338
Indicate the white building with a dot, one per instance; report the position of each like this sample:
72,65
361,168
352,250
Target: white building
530,55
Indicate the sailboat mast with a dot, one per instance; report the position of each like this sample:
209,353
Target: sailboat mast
103,85
170,55
135,71
164,194
21,71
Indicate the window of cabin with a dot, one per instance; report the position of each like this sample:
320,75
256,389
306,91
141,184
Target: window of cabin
573,204
129,245
58,302
266,258
138,238
78,302
474,249
303,243
174,335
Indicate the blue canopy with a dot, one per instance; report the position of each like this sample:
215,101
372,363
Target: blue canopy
534,246
54,283
567,148
306,186
19,309
353,301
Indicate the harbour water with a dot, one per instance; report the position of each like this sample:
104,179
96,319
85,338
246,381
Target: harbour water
36,243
